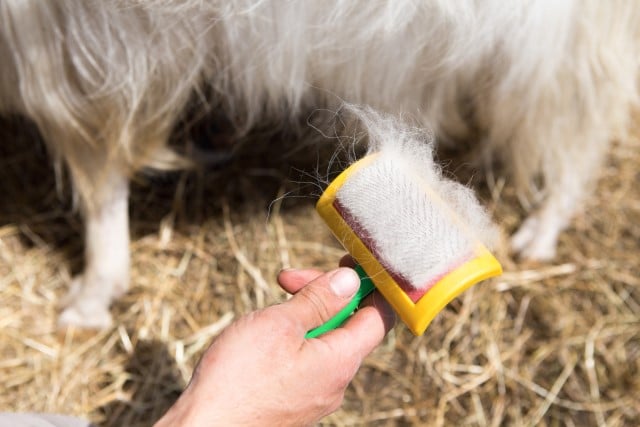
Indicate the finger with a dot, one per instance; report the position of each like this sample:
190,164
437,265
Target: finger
382,307
293,279
366,329
322,298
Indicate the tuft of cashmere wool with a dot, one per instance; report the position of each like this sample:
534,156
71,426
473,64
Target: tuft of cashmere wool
419,224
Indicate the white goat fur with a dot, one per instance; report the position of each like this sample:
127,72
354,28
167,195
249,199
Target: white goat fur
546,83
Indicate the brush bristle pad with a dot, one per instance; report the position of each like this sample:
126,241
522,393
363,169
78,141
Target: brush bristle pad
404,223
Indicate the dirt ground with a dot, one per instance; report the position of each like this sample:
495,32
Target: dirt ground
545,344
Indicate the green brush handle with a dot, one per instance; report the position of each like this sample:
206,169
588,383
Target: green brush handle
366,287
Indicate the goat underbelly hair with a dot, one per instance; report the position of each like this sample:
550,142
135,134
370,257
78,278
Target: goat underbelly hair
543,85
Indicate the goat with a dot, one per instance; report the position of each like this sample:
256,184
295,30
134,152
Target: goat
546,85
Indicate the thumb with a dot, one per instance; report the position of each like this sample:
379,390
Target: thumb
322,298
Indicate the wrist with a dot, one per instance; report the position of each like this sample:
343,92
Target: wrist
181,413
174,417
190,410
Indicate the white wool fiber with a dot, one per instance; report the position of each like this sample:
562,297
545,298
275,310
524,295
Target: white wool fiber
421,226
546,84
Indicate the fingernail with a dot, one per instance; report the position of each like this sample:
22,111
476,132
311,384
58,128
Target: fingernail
344,282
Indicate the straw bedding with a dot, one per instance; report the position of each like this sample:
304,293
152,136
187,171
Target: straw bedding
545,344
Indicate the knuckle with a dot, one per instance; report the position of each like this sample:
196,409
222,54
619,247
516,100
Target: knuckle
317,304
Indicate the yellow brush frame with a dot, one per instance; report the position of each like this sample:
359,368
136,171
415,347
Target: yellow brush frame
417,316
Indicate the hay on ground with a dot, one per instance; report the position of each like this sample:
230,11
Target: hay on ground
547,344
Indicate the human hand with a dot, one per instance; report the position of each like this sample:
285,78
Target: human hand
262,371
